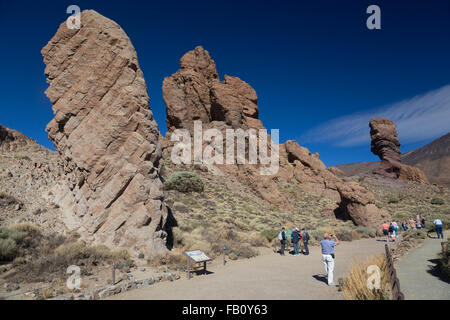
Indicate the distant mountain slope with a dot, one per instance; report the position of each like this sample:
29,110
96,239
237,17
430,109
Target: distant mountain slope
433,159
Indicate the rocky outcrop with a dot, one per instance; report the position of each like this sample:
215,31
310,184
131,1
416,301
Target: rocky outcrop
384,139
195,92
106,136
12,140
358,204
385,144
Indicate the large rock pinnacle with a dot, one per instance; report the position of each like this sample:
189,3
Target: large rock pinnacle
106,136
195,93
385,144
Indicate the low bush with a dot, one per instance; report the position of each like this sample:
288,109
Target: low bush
345,235
184,181
414,234
8,249
393,200
10,241
366,232
257,240
437,201
270,234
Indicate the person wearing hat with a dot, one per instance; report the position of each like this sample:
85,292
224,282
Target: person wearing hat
295,237
328,255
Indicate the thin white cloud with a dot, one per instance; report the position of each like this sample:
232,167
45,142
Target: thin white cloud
419,118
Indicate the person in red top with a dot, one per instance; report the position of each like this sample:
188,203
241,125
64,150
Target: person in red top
385,228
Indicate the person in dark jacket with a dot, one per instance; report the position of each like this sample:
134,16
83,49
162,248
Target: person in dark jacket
283,241
305,238
295,238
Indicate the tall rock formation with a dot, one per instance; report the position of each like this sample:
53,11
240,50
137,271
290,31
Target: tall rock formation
385,144
106,136
195,92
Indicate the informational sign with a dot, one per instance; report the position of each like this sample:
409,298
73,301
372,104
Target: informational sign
197,255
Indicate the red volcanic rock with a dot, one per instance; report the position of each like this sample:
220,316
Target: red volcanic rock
384,139
195,93
106,136
385,144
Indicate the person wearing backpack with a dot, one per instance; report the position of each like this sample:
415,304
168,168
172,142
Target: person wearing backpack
305,238
282,238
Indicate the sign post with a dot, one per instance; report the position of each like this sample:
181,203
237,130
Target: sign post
197,256
224,248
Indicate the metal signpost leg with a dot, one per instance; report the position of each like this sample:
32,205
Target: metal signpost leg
188,267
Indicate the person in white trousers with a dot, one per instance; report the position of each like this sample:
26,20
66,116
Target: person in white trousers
328,255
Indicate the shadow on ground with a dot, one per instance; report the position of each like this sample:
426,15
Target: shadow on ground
321,278
435,271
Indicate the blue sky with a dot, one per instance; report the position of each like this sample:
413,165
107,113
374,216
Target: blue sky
319,73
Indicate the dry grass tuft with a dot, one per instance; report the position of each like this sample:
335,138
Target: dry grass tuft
355,282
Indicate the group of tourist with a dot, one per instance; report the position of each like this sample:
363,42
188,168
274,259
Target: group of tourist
297,237
391,230
328,243
417,223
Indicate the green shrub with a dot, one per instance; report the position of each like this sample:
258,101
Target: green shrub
184,181
270,234
8,249
437,201
366,232
393,200
232,256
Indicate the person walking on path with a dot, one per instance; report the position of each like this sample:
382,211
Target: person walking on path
282,238
385,229
328,255
391,232
305,238
295,238
395,228
438,224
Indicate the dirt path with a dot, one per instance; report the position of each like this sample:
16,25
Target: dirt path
416,282
268,276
